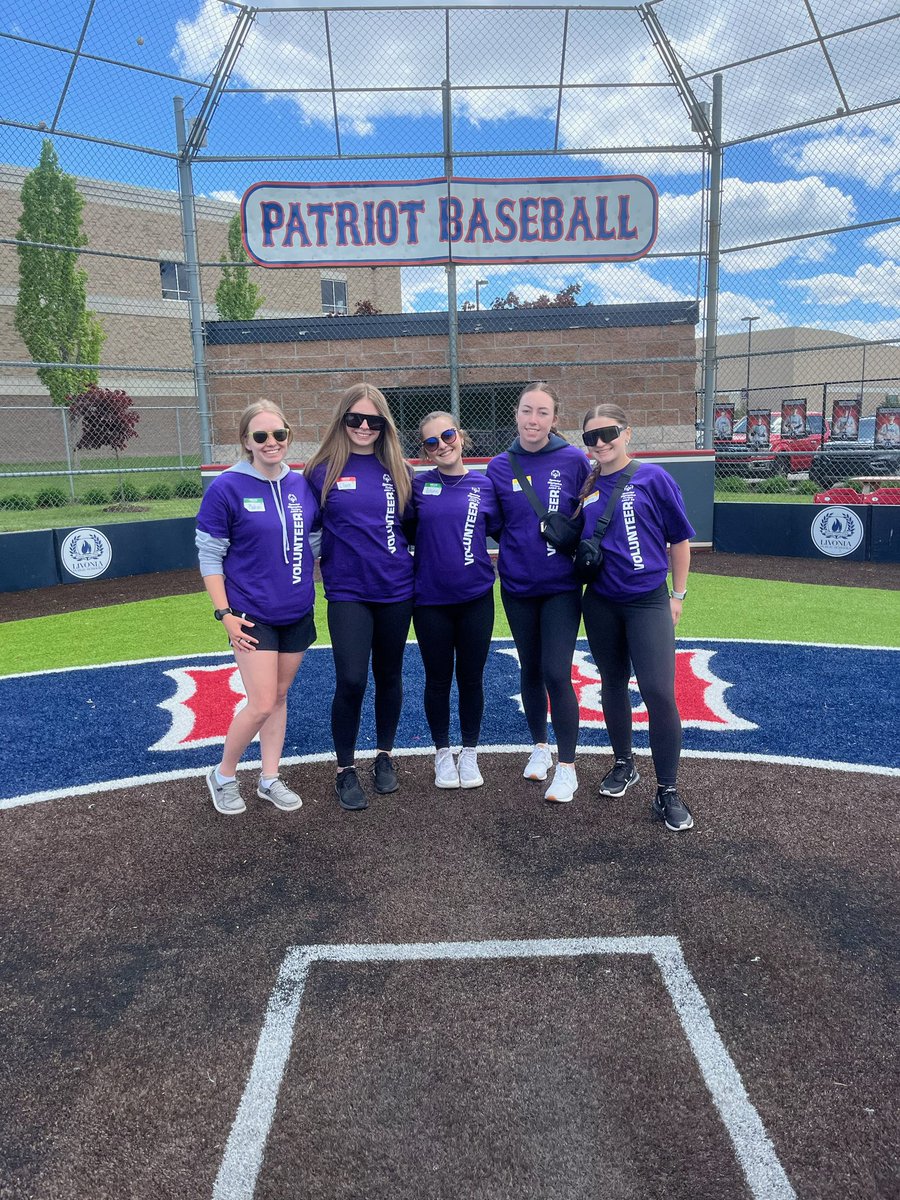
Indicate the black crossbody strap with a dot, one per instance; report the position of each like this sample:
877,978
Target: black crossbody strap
525,484
601,526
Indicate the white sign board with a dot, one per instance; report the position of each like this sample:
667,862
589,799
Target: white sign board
600,218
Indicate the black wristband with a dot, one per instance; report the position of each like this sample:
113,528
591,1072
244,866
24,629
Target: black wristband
219,613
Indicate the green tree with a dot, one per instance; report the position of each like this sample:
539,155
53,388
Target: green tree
237,298
51,312
567,298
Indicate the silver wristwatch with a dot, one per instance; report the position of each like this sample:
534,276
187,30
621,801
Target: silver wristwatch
678,595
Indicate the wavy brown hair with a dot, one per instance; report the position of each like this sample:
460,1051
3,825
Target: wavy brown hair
253,410
336,446
618,414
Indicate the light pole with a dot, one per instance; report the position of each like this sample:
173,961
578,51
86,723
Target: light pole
749,321
479,284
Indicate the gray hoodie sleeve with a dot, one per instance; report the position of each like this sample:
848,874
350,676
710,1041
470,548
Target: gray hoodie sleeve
211,552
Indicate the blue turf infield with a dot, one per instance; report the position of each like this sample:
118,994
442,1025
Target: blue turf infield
88,729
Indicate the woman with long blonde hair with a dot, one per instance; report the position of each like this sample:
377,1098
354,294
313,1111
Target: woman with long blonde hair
364,486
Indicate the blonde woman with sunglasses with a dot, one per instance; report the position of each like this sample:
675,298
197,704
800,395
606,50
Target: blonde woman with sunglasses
364,486
455,510
629,613
253,541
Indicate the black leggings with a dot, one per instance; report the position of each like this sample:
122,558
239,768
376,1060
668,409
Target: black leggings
639,632
463,630
357,631
544,629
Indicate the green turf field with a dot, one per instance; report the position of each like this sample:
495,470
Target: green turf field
718,606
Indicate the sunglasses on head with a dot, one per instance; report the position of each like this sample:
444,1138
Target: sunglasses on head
606,434
354,421
448,437
261,436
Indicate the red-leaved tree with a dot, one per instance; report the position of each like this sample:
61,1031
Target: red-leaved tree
107,419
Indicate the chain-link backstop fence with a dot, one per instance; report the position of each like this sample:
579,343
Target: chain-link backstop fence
775,261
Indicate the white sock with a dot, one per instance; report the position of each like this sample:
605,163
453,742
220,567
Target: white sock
220,778
266,781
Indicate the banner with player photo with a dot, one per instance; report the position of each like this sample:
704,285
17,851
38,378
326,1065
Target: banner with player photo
845,416
759,428
723,421
793,419
887,426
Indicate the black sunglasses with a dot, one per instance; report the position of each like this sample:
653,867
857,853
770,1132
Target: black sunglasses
448,437
261,436
606,434
354,421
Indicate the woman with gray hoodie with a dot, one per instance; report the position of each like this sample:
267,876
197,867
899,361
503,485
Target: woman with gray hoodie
540,593
253,539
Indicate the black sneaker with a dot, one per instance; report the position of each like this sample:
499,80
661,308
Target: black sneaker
617,781
669,807
350,795
385,776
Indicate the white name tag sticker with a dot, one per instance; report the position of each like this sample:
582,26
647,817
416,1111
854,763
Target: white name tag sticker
517,487
254,504
591,499
346,484
432,489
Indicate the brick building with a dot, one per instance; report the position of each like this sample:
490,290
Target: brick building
641,356
141,301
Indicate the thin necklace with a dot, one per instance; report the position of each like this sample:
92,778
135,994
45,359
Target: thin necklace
445,479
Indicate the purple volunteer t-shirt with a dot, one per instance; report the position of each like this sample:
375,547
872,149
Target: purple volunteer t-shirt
454,514
527,565
258,580
365,555
649,516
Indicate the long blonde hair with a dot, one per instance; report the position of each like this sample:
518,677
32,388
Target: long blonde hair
539,385
253,410
619,415
336,446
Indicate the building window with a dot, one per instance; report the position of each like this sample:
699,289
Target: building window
334,297
173,277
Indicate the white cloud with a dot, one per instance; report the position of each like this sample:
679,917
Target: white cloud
865,148
228,197
869,284
886,242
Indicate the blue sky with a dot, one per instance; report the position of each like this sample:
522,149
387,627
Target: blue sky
826,176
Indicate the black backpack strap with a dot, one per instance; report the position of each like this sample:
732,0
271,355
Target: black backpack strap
525,484
602,524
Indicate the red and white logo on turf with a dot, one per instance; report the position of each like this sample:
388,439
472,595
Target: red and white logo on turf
204,704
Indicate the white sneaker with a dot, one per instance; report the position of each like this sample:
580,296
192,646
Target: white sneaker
226,797
538,766
280,794
445,772
563,785
469,775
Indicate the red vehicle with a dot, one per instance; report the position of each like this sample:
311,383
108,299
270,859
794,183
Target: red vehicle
787,455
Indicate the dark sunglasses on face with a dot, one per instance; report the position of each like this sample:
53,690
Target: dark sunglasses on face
354,421
448,437
261,436
606,434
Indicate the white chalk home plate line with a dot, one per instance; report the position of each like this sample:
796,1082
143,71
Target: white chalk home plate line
242,1160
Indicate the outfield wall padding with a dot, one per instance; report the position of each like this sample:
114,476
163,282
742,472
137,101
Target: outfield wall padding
783,530
884,538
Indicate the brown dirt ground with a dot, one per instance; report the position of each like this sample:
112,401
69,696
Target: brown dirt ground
72,597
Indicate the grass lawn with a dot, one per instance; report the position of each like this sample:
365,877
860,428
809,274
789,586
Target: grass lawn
71,515
718,606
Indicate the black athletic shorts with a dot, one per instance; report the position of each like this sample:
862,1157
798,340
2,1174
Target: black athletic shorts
286,639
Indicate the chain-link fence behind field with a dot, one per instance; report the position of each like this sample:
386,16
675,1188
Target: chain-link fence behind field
163,120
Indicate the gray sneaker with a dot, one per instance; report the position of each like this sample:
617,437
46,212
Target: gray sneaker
280,795
226,797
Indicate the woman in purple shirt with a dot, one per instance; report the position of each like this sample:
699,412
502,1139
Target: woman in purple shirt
540,593
629,613
364,486
454,610
253,540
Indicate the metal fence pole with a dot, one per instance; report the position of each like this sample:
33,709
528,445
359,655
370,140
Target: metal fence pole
64,413
178,436
189,233
712,273
452,316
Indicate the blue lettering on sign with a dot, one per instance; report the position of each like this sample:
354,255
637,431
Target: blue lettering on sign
97,726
